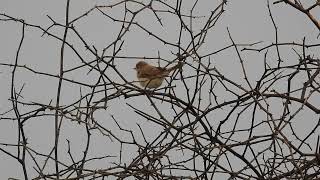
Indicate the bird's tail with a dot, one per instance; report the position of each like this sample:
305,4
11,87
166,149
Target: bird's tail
178,66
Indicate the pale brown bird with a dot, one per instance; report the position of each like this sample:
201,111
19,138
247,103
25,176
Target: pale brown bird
151,76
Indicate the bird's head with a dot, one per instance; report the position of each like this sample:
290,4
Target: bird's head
140,65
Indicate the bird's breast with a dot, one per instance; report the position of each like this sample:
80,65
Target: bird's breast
151,83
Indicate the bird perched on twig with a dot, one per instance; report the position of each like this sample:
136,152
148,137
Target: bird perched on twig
151,76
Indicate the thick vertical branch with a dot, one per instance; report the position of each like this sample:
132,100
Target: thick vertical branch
58,112
22,140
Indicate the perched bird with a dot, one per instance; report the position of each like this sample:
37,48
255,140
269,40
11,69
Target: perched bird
151,76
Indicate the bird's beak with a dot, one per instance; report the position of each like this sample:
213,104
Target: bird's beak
135,68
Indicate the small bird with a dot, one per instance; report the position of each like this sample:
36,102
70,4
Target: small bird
151,76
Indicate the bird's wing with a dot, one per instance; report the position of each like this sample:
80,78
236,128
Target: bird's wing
153,72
